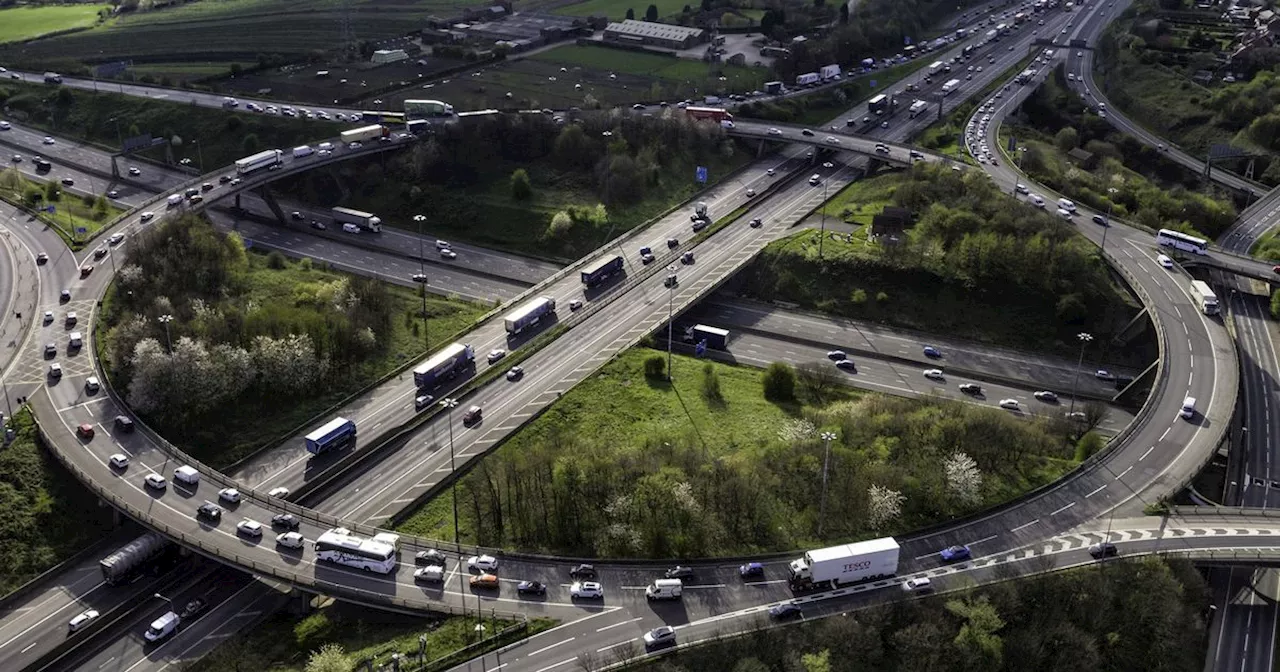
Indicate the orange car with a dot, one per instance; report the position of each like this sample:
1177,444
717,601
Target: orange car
484,581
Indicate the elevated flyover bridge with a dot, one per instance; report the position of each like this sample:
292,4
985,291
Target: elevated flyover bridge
899,154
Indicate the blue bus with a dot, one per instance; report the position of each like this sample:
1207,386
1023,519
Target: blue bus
336,434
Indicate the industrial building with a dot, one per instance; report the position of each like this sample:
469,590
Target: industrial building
655,34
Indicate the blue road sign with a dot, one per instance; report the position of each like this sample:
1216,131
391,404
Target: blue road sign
81,229
701,348
906,39
873,83
701,174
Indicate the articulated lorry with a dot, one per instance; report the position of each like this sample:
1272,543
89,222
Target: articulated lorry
917,107
950,86
365,133
1205,297
878,104
830,72
444,365
601,270
529,314
264,159
365,220
936,67
131,558
714,337
808,79
847,563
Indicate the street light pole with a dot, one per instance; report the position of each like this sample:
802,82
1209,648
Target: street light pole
450,404
165,320
822,232
422,269
671,296
827,437
162,597
1084,342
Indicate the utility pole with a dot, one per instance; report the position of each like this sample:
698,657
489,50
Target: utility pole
1084,338
827,437
422,269
671,297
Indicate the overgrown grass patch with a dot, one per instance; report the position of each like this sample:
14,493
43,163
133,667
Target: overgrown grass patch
25,23
616,10
76,218
49,515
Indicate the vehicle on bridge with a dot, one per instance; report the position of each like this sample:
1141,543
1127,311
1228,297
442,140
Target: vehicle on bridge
847,563
1205,297
264,159
709,113
342,548
602,270
529,314
365,133
336,434
443,365
1181,241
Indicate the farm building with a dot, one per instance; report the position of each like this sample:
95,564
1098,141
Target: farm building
655,34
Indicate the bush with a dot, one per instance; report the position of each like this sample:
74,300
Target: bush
655,366
1088,444
276,261
711,383
779,381
521,190
312,631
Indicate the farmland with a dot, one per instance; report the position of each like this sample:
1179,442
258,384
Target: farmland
232,30
25,23
606,77
616,10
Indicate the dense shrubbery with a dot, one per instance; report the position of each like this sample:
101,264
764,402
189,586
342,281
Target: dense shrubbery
1138,616
1131,180
247,331
631,481
973,260
48,514
460,178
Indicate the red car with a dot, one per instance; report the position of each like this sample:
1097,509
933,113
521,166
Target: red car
1275,269
85,430
86,270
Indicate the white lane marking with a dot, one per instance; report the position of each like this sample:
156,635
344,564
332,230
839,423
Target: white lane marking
1063,509
609,627
552,646
1121,475
612,646
552,667
1144,455
30,646
1025,525
1095,491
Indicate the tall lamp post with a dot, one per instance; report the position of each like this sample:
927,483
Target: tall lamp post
1084,338
165,320
822,232
671,297
422,270
158,596
827,438
450,403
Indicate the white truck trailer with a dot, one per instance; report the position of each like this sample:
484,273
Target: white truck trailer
265,159
365,220
529,314
950,86
917,107
365,133
847,563
1205,297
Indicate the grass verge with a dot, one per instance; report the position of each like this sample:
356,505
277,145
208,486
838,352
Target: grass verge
616,10
709,466
25,23
70,213
282,643
49,515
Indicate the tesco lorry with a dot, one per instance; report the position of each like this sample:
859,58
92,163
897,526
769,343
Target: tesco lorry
529,314
847,563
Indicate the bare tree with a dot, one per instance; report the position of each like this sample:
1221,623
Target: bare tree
624,653
817,379
1094,413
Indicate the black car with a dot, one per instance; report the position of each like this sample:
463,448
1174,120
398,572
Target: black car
42,259
583,571
807,133
846,365
1099,219
531,588
1105,549
317,225
285,520
295,215
680,572
429,557
672,243
224,179
124,423
194,608
210,512
785,611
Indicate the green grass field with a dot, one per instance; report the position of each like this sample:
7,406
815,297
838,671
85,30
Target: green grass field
616,10
25,23
69,211
862,200
238,29
740,78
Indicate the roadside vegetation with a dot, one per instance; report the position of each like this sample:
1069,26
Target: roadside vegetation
1117,173
728,460
973,263
70,212
258,344
29,22
525,184
204,135
1133,616
49,515
336,637
1148,62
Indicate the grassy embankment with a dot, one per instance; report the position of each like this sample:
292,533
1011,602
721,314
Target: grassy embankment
282,643
626,465
49,515
70,212
25,23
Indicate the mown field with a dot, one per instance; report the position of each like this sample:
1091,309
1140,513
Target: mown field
25,23
226,30
616,10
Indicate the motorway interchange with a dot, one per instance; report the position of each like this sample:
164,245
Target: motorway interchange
1157,454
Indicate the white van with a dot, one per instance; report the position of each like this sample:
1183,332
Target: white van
174,200
1188,408
302,150
665,589
325,146
1038,200
350,228
162,627
76,339
187,474
1066,204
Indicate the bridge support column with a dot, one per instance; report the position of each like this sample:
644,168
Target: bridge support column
760,149
1248,169
270,199
1133,329
1147,374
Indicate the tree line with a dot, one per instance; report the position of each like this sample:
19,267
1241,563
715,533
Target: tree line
1140,615
896,465
192,327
